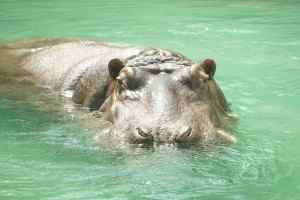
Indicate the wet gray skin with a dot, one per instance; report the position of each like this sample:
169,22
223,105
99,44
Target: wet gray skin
167,102
148,96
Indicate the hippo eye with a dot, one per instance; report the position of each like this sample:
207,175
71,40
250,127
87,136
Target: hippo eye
129,84
135,83
186,81
128,79
123,84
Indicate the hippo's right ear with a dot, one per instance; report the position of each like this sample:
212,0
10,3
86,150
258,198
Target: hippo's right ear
114,67
209,66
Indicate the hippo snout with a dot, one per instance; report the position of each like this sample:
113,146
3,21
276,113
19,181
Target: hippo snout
163,136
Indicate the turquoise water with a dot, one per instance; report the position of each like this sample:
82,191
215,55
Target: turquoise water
47,155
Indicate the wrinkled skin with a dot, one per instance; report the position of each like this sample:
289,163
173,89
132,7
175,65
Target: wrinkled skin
149,96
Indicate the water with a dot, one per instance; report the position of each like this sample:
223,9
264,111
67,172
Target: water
47,155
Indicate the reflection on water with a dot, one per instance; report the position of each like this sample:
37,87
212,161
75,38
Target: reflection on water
44,154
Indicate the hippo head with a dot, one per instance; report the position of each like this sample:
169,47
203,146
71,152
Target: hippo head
164,103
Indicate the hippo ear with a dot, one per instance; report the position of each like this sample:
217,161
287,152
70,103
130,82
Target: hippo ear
114,67
197,71
209,67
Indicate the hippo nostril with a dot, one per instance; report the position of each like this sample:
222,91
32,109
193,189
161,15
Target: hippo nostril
183,136
187,133
144,134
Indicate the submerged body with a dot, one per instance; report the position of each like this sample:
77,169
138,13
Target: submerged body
147,95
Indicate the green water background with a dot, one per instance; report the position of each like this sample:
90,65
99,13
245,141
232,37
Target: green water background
45,155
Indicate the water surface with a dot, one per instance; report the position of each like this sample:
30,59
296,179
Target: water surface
47,155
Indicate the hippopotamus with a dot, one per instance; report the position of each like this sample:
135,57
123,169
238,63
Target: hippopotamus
147,95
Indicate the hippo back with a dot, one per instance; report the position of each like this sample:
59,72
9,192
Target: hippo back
60,65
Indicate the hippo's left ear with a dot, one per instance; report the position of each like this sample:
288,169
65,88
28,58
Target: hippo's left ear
114,67
209,67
